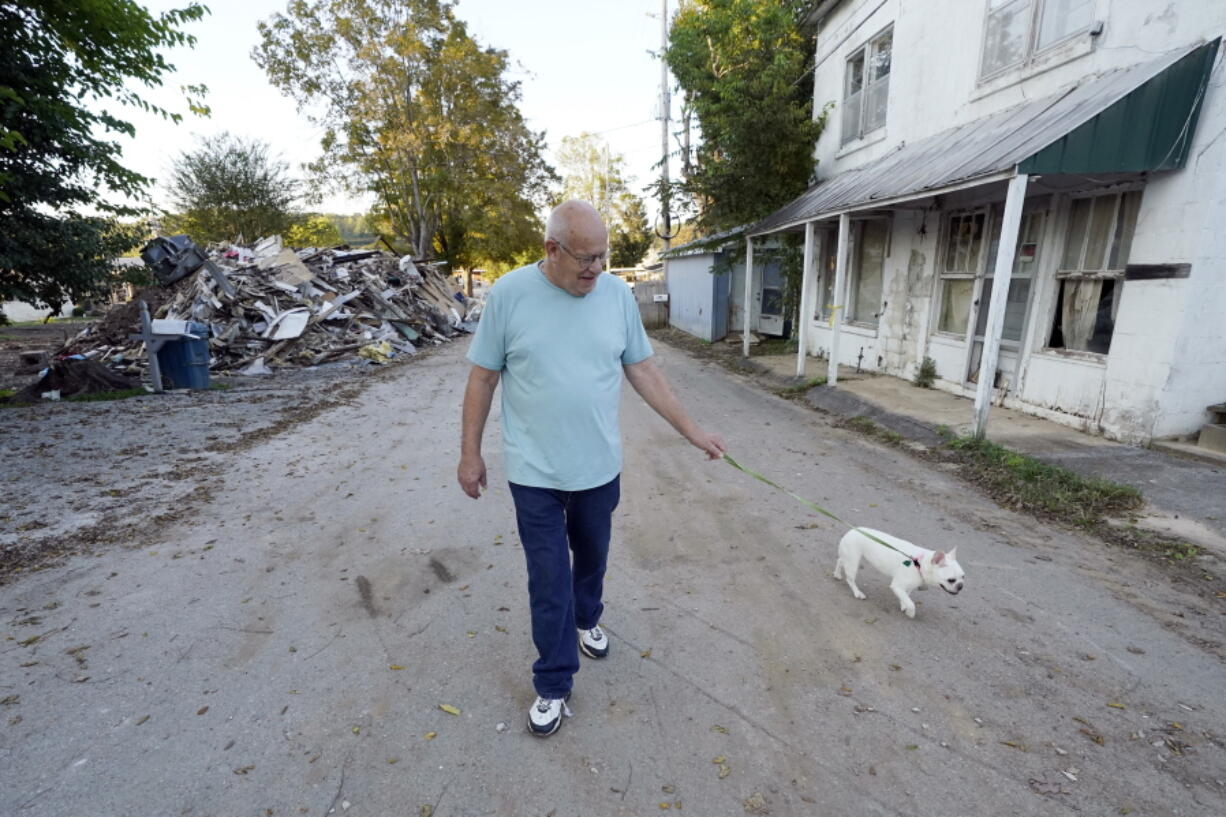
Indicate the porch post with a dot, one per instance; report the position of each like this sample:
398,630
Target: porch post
1000,297
803,313
839,296
748,310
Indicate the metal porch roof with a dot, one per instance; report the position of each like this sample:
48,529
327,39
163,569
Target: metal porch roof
1127,120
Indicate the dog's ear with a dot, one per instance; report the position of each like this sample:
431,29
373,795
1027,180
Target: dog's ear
952,551
938,558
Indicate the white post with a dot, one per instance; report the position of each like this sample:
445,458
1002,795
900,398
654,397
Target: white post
748,311
803,314
839,297
1000,297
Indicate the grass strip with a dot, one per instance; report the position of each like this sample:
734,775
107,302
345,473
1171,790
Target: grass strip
1020,481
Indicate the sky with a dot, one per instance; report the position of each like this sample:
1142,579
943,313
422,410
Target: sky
584,65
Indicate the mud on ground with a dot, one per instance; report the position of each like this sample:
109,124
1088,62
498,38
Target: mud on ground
80,477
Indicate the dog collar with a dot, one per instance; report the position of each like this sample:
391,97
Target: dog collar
914,560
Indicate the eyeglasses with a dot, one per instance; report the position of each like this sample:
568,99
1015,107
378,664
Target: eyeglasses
584,261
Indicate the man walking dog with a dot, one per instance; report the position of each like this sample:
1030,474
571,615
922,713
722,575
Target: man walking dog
558,335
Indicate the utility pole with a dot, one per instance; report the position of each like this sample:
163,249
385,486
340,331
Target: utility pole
664,115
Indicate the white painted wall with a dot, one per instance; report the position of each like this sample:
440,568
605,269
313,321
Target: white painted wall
937,48
691,283
1168,355
1195,202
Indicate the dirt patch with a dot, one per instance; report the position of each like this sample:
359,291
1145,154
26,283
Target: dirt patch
729,356
79,477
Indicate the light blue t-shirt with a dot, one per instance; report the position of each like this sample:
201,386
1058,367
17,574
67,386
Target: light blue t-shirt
561,359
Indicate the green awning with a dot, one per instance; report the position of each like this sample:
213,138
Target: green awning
1149,129
1128,120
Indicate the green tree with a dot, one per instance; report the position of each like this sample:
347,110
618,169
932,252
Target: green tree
591,172
417,112
314,230
629,234
746,67
230,187
356,229
57,260
67,72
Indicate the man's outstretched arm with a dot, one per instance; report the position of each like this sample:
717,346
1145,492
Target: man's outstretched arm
478,396
652,386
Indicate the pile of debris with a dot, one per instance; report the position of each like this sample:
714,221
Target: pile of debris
275,306
72,378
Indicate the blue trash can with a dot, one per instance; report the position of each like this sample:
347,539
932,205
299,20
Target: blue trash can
185,362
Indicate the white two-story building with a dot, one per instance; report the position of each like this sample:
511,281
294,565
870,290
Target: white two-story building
1085,137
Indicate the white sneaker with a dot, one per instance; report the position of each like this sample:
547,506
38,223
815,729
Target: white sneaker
594,643
546,715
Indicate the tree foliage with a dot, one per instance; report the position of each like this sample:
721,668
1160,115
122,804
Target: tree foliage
229,187
630,235
67,71
417,112
51,261
591,172
355,229
314,230
746,68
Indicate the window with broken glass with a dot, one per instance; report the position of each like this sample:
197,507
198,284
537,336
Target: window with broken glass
866,90
1090,278
1015,31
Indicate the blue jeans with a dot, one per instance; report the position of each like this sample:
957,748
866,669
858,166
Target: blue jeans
553,526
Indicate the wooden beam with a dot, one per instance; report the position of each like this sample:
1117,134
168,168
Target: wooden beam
839,296
804,315
1001,277
748,310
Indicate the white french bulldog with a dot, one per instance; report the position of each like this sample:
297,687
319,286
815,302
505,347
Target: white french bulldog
913,567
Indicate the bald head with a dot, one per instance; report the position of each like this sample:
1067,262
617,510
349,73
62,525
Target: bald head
576,247
573,222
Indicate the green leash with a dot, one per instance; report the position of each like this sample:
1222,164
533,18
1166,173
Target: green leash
907,559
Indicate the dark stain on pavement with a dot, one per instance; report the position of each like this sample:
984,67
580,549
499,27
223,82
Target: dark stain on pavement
368,599
440,570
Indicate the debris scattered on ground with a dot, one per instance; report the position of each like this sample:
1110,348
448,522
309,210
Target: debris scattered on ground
756,803
292,308
72,378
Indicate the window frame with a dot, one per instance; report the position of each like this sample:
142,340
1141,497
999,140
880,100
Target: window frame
854,246
865,52
984,268
944,274
1107,273
823,310
1033,225
1032,51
